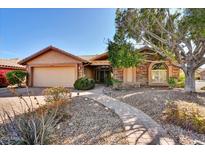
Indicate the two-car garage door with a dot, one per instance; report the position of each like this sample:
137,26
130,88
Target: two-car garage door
54,76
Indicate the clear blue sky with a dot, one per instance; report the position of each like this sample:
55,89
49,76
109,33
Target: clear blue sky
79,31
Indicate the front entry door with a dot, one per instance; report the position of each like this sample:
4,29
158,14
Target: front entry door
102,74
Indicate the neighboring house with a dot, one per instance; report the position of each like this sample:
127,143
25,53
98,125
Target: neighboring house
202,74
55,67
7,65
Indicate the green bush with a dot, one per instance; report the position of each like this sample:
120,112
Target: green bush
56,94
181,81
16,77
110,81
187,115
84,83
172,81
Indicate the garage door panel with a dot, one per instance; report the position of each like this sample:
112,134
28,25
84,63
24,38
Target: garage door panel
54,76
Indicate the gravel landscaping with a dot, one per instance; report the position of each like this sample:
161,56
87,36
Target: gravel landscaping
152,101
90,123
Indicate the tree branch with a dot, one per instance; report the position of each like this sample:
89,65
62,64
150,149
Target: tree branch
199,63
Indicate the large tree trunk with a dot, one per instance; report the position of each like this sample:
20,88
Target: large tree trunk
190,80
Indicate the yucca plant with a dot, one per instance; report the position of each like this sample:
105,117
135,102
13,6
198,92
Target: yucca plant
35,126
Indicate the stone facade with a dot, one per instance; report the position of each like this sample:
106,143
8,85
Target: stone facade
143,72
118,73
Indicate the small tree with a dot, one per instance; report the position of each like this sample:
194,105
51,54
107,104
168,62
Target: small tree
122,53
16,77
175,34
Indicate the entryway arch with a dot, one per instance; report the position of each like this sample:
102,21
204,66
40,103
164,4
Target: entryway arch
158,73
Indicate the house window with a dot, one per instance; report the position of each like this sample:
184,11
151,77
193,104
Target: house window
159,73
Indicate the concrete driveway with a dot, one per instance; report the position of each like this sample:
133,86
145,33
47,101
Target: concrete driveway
9,100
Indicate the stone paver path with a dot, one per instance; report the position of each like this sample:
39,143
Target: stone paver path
139,127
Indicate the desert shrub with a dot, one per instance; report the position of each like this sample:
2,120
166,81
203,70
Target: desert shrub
172,81
16,77
110,81
117,84
56,94
84,83
187,115
34,126
29,128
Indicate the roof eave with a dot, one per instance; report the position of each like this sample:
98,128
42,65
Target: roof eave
25,60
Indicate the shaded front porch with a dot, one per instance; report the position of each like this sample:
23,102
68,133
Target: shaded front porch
99,73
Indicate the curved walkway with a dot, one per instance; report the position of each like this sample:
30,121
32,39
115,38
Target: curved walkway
139,127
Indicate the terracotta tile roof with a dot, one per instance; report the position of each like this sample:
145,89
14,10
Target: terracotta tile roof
11,63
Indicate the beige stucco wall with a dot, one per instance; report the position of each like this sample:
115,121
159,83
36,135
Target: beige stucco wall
129,75
52,57
89,72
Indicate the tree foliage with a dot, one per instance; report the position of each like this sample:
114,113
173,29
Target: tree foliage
175,34
122,53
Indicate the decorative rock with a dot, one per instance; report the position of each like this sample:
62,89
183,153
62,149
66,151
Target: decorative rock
71,124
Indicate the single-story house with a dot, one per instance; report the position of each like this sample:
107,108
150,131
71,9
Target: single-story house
55,67
7,65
